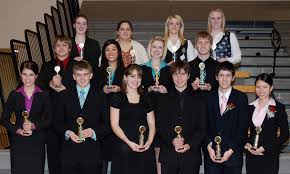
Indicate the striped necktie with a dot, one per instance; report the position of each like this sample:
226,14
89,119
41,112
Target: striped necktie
82,98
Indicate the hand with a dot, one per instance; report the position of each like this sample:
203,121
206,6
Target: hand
211,153
147,145
73,137
206,86
226,156
162,89
78,58
106,89
115,88
24,133
27,126
87,133
136,147
222,60
184,148
178,144
195,84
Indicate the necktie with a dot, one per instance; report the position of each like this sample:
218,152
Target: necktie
223,104
82,98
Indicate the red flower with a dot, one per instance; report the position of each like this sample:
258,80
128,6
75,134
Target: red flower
272,108
231,106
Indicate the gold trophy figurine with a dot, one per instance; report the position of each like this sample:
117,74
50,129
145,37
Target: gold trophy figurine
80,121
256,140
156,71
133,56
178,130
25,115
109,71
218,152
142,129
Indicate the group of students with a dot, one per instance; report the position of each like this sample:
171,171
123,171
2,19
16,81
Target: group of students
155,117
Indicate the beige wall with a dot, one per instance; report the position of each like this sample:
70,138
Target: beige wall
18,15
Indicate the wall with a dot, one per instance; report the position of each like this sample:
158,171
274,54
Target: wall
18,15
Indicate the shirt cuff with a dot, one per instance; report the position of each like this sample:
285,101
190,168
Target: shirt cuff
94,137
66,136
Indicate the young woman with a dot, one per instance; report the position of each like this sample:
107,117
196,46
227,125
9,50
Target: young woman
178,48
155,66
31,106
81,44
225,44
266,116
132,51
112,61
133,123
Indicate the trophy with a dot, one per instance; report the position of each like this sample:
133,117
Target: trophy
57,70
80,121
178,130
156,71
218,152
142,129
256,140
202,74
81,45
133,54
174,49
109,71
25,115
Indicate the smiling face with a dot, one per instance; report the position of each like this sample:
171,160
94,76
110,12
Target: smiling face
174,26
28,77
203,47
62,50
180,78
225,79
111,53
263,89
124,32
81,26
216,20
157,49
82,77
133,80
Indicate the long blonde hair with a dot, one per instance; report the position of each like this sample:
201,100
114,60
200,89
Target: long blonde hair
209,28
180,33
157,38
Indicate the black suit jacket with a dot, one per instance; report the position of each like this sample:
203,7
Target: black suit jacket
268,137
92,51
95,114
231,126
193,123
40,113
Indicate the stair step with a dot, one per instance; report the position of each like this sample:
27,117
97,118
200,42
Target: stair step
280,71
265,61
245,88
242,74
262,52
255,43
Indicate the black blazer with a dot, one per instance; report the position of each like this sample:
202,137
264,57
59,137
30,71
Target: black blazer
268,137
92,51
95,113
193,123
40,113
231,126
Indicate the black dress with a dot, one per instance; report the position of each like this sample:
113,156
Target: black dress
132,115
27,153
269,162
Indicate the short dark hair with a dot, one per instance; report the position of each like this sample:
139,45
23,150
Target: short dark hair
104,61
226,66
265,78
177,66
124,21
80,16
128,71
31,65
81,65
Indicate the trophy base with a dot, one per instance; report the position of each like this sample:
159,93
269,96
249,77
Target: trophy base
254,148
81,140
155,87
142,148
218,159
180,148
26,133
110,87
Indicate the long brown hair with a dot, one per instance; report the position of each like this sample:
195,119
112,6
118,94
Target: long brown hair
129,71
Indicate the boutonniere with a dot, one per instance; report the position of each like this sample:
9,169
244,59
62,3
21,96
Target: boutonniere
230,106
271,111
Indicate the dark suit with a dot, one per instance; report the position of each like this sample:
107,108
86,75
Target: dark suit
191,117
269,140
82,157
92,51
232,127
27,153
53,141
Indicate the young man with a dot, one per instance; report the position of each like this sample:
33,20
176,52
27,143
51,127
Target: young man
180,149
82,119
227,124
55,83
203,46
